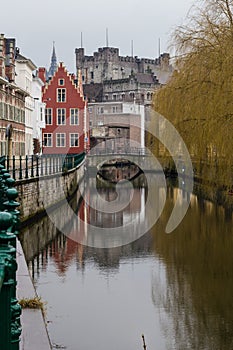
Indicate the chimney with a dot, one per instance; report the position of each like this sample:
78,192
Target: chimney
42,74
2,56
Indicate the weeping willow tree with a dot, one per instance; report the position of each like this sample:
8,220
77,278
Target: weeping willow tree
198,99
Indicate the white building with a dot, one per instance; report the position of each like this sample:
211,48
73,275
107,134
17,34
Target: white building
118,123
34,107
38,114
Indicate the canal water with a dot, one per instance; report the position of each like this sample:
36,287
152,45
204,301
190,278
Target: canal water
176,289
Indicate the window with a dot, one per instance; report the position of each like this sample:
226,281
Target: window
90,109
60,140
41,114
48,142
74,140
48,116
61,95
100,110
61,82
92,75
132,95
61,116
114,109
73,116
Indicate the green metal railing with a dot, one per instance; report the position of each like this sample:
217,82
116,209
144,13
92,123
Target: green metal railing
25,167
10,310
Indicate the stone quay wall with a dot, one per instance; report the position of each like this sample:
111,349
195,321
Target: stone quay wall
38,194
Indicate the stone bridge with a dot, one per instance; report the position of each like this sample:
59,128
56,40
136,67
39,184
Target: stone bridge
139,156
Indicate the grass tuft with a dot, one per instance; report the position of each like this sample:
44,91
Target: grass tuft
34,303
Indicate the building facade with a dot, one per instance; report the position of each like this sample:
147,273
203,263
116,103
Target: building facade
66,116
38,114
117,125
107,76
24,68
12,102
107,64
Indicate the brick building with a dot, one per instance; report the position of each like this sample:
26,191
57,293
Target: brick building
66,125
12,102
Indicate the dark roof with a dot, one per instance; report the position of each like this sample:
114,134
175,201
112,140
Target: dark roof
146,78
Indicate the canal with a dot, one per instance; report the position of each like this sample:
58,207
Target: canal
176,289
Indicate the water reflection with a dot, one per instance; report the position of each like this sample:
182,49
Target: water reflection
176,288
196,295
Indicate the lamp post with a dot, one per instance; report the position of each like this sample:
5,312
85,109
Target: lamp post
9,132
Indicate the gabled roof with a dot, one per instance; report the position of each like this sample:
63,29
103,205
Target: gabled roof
22,59
60,67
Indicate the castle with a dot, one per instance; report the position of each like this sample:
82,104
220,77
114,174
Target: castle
107,76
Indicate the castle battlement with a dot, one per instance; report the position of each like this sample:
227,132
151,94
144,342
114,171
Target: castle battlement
106,64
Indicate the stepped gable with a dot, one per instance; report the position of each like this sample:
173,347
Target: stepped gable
63,72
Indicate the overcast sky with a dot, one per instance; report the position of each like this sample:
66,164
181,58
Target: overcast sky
36,24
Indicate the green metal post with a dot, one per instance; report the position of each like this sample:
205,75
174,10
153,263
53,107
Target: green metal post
20,168
7,257
9,226
26,167
37,166
13,164
11,206
41,165
32,168
5,298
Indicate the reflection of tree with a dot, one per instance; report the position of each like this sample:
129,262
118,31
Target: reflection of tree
197,292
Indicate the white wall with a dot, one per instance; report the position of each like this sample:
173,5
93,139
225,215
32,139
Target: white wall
23,79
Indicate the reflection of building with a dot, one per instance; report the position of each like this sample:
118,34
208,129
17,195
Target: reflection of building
66,249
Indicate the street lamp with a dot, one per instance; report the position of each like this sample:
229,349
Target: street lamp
9,132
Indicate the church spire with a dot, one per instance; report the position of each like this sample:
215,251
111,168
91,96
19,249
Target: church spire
53,65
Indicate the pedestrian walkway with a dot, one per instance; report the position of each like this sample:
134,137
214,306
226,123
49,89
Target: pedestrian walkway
34,332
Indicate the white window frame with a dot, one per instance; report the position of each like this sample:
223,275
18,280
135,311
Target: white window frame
74,133
51,115
61,116
61,82
58,136
47,139
74,116
61,95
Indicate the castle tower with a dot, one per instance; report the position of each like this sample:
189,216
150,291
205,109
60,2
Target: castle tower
53,65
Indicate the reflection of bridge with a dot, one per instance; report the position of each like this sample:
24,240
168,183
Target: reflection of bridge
139,156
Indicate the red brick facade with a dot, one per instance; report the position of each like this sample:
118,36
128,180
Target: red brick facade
65,115
12,102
